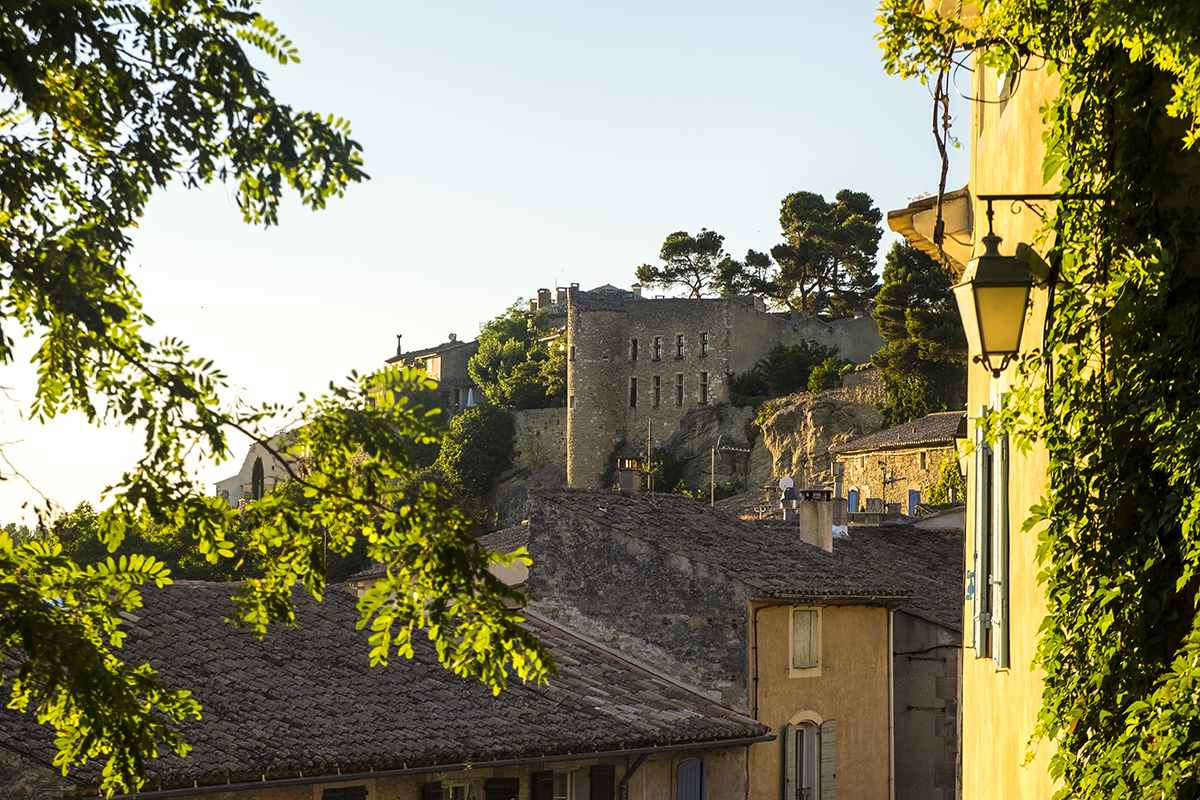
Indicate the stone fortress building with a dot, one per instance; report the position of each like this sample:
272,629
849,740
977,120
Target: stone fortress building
636,365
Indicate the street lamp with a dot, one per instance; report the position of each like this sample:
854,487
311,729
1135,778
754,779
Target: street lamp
992,299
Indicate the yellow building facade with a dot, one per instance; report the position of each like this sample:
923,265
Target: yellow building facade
1004,604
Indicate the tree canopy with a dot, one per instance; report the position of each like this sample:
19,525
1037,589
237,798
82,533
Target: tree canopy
105,103
923,358
520,363
691,261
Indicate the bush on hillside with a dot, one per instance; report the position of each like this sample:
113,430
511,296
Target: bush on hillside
477,448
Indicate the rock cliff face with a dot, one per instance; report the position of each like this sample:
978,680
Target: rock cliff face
795,432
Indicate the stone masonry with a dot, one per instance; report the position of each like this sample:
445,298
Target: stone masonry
636,364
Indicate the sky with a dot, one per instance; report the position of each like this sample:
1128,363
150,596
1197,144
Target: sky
510,146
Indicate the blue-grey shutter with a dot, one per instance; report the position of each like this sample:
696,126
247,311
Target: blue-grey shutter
999,570
829,760
981,539
789,762
689,780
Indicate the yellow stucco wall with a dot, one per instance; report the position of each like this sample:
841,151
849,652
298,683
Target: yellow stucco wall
851,689
1000,706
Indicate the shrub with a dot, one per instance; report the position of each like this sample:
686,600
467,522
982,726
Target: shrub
477,448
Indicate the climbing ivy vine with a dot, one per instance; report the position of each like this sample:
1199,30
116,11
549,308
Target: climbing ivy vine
1113,394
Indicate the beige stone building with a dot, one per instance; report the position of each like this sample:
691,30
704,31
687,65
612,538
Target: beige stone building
446,363
896,466
262,469
638,365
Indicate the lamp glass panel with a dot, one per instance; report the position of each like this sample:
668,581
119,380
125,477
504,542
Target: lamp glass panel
965,298
1001,317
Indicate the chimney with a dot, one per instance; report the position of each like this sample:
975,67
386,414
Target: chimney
453,337
637,290
813,509
399,349
629,476
561,295
543,298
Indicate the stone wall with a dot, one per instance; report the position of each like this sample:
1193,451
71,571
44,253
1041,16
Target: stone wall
891,474
926,707
636,367
540,439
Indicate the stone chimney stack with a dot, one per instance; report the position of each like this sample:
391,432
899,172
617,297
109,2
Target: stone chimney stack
637,290
814,515
453,337
560,295
629,476
543,298
399,348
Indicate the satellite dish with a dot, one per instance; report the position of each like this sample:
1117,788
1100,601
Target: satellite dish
786,483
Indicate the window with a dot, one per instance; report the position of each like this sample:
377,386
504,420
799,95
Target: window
572,352
810,761
805,641
679,389
703,388
633,392
551,785
679,345
703,344
657,391
571,401
633,347
987,582
689,780
502,789
458,791
923,465
602,780
345,793
658,348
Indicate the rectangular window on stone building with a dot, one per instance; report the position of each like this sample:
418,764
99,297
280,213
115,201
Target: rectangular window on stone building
658,348
657,391
572,352
679,345
633,349
571,401
633,392
703,388
704,343
679,389
923,460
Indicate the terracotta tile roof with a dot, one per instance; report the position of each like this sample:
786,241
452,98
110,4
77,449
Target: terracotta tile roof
307,700
934,429
896,565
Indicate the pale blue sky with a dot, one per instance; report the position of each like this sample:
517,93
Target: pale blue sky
510,147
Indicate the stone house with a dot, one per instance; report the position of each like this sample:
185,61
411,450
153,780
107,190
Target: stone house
301,715
896,466
848,651
638,366
262,469
446,363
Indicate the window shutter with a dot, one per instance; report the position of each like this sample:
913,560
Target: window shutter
829,760
982,540
602,781
502,789
789,762
541,786
689,780
432,791
999,553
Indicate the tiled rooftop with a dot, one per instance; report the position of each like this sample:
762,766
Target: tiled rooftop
933,429
306,700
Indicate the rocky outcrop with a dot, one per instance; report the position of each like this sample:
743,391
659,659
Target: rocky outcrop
699,432
795,432
509,498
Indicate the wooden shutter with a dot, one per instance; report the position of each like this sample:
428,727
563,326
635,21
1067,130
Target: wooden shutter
432,791
502,789
999,553
829,760
541,786
982,541
689,780
789,762
602,780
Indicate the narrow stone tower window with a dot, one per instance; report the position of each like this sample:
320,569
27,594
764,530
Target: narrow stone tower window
679,345
703,388
633,348
679,389
633,392
657,391
658,348
704,344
